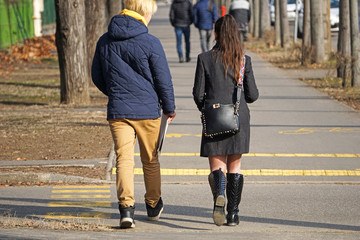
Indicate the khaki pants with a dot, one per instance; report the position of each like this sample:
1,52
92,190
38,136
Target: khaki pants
124,132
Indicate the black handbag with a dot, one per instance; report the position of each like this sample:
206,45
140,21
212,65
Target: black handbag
222,119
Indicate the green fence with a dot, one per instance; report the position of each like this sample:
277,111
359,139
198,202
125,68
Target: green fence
16,21
48,16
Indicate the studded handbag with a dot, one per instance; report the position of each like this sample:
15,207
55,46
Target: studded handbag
223,119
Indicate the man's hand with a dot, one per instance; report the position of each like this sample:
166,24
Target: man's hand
170,117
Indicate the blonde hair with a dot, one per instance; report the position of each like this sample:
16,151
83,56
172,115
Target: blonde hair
142,7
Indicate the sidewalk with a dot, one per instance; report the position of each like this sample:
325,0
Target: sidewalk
294,129
295,117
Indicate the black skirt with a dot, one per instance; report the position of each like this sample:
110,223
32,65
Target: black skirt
226,145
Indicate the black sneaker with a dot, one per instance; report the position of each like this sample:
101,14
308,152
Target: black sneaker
127,217
154,213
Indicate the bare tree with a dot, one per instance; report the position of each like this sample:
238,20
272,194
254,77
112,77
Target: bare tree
96,25
265,16
277,23
327,28
114,7
317,31
72,52
284,24
355,43
343,69
256,18
306,36
251,23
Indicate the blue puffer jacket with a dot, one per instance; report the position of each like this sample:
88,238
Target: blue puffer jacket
203,18
130,67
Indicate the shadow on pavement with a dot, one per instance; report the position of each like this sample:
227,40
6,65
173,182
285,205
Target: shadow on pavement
33,211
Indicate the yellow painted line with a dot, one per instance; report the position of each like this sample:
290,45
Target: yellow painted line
80,191
82,215
79,204
81,186
80,196
329,155
255,172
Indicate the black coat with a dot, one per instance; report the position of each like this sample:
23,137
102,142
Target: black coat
181,13
211,87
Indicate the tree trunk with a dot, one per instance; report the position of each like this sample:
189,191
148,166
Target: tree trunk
96,25
306,38
355,43
327,28
284,24
277,23
217,5
72,52
114,7
251,23
265,16
256,18
227,5
343,63
317,32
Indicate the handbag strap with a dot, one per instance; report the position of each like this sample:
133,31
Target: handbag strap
242,71
239,86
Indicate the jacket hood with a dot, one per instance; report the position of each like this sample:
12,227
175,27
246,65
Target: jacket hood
124,27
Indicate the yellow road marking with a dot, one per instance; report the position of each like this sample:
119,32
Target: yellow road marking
80,196
320,130
329,155
66,215
79,204
81,186
80,191
255,172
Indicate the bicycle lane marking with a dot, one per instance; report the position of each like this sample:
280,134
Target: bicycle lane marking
89,196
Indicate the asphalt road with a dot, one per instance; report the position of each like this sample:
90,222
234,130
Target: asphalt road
302,174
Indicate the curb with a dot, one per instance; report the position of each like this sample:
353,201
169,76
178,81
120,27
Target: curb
8,178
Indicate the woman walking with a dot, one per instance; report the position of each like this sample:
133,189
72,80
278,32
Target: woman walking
216,79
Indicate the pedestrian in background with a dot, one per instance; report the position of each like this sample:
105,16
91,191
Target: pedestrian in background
181,17
205,15
130,67
216,78
240,10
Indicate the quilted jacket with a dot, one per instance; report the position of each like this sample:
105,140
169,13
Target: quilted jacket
181,13
130,67
203,18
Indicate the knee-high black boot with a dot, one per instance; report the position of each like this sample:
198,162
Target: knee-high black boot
217,183
235,182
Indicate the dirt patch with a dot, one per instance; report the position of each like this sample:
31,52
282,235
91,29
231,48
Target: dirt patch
12,222
95,172
34,126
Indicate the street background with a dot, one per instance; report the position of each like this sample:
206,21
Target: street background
302,176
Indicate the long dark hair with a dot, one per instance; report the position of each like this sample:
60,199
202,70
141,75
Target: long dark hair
229,47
